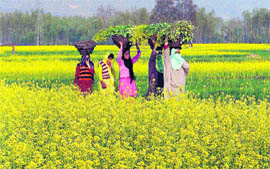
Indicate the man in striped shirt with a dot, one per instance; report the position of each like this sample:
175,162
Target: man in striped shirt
106,74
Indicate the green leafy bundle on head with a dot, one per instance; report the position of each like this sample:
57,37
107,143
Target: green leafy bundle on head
138,35
180,32
123,30
157,31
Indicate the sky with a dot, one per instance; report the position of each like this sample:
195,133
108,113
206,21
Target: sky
223,8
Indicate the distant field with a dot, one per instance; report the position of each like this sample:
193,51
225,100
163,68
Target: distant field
216,69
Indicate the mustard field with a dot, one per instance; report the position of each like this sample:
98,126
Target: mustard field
221,122
216,69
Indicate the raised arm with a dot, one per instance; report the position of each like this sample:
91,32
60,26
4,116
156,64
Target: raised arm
167,68
154,51
153,56
166,51
135,58
119,57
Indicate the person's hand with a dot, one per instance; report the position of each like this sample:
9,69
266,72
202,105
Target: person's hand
104,86
88,64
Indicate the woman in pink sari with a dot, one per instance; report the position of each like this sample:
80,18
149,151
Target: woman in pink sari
127,86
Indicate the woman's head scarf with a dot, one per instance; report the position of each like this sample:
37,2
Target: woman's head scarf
176,60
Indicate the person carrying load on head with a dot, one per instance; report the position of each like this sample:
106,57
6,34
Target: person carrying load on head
106,74
175,70
84,75
127,86
155,69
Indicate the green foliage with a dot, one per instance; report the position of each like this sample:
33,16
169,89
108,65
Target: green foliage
139,35
158,29
171,31
135,33
20,27
183,29
142,33
103,35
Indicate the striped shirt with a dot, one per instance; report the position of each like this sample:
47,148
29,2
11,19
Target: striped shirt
105,71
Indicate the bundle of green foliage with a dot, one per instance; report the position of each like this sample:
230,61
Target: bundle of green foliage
124,30
180,32
176,34
153,32
119,33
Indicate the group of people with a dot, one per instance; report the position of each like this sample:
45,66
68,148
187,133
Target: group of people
167,72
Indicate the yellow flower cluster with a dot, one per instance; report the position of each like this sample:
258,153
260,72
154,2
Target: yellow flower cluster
59,128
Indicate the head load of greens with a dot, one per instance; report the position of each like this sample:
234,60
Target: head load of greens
179,32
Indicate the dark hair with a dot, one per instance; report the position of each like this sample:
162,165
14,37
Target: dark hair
111,56
128,63
83,60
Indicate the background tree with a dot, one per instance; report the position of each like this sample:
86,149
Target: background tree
106,12
164,11
207,27
186,10
140,16
136,17
21,27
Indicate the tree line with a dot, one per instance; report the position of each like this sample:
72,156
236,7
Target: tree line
40,28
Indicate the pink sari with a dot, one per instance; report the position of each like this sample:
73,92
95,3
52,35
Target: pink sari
126,87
